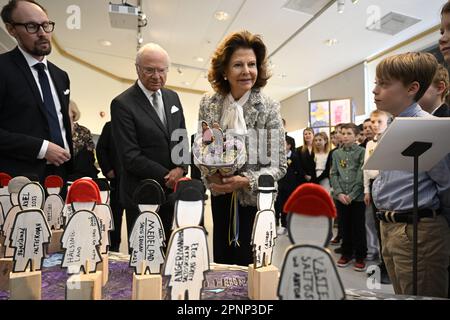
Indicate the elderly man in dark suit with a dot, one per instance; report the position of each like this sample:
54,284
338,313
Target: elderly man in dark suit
35,132
144,120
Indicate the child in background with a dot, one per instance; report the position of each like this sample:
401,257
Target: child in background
293,178
401,80
379,121
337,142
433,99
306,155
348,191
322,159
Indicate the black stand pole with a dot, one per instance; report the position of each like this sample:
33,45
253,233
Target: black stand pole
416,149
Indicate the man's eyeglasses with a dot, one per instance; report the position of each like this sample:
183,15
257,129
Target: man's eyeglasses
151,71
33,27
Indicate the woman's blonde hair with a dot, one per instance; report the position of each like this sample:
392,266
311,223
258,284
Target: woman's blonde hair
324,136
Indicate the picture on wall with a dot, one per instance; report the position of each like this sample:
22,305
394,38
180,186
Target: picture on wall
324,115
340,111
319,113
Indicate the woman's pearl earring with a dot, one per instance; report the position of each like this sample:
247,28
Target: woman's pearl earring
225,78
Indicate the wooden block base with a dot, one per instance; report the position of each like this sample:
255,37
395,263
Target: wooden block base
84,286
55,243
104,268
6,266
147,287
25,285
262,283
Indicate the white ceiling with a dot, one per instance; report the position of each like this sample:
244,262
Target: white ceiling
187,29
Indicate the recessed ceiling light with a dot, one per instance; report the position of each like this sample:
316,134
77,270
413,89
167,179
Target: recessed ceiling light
331,42
199,59
221,15
105,43
340,6
185,83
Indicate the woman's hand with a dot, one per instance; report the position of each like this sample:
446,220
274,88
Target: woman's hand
230,184
367,199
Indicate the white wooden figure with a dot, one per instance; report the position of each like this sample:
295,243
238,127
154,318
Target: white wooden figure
147,239
54,204
104,215
267,193
82,235
186,263
28,237
147,244
67,212
14,187
189,203
308,271
30,229
263,238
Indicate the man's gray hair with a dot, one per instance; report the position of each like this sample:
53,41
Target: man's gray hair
151,47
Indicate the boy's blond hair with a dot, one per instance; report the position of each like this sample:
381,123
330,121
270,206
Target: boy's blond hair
378,112
407,68
441,75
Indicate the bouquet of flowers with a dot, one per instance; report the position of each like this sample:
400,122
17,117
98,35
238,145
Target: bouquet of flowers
218,152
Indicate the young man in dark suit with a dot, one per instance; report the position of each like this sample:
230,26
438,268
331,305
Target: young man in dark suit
144,118
108,161
35,132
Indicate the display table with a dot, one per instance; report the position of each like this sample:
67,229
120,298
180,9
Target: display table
222,283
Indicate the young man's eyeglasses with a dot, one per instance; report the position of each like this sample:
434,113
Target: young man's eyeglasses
33,27
151,71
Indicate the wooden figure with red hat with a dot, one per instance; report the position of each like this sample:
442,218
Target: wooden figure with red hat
188,244
308,271
81,241
147,242
30,232
6,262
262,275
53,208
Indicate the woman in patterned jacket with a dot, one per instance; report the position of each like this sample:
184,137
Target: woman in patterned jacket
238,72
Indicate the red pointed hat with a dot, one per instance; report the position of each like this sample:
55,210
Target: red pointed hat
311,199
53,182
84,190
4,179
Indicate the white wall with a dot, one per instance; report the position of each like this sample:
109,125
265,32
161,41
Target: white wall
348,84
295,110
